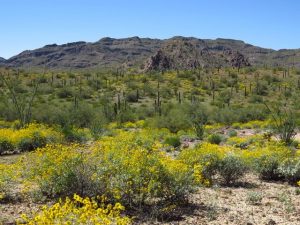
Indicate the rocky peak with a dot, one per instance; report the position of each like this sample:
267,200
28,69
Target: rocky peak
159,61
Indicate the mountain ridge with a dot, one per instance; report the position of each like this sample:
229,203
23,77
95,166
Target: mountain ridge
153,54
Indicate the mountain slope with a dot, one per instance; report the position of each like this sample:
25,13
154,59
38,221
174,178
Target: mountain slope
190,53
2,60
152,54
107,52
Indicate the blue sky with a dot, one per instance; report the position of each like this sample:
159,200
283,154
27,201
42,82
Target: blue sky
29,24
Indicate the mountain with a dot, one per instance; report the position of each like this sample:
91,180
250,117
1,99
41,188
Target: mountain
2,60
107,52
153,54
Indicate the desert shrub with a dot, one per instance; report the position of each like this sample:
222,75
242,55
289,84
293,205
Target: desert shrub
231,168
126,116
224,116
73,134
5,145
33,142
29,138
83,116
7,180
126,168
238,114
255,99
267,167
65,93
284,123
254,198
80,211
232,133
172,141
199,118
86,93
175,119
214,139
199,130
290,169
243,142
132,97
205,159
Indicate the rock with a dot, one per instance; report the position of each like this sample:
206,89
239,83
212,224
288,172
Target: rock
271,222
158,62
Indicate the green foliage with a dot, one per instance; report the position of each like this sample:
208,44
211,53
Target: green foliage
65,93
232,133
73,134
120,168
32,143
290,169
132,97
267,167
214,139
199,120
231,168
173,141
188,99
207,156
5,145
254,198
175,118
284,123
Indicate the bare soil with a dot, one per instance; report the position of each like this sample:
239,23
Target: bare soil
280,204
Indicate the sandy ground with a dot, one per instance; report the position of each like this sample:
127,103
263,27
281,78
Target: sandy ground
231,205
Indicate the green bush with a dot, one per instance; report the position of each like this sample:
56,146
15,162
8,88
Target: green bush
254,198
74,175
32,143
207,156
175,118
267,167
65,93
172,141
132,97
215,139
5,146
231,168
119,167
290,169
210,165
72,134
232,133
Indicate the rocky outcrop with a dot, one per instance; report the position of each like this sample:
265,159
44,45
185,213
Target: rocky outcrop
158,62
237,59
189,53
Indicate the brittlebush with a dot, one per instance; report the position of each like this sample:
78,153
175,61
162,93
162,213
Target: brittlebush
129,168
78,211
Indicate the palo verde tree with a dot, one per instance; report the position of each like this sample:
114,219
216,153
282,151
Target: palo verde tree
21,102
284,123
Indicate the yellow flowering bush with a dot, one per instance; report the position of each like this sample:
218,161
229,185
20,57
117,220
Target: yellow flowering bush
204,160
265,160
28,138
8,178
128,167
252,124
246,142
78,211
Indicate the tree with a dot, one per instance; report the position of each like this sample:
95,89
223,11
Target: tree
284,123
21,103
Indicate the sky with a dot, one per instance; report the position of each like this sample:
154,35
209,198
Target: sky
30,24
